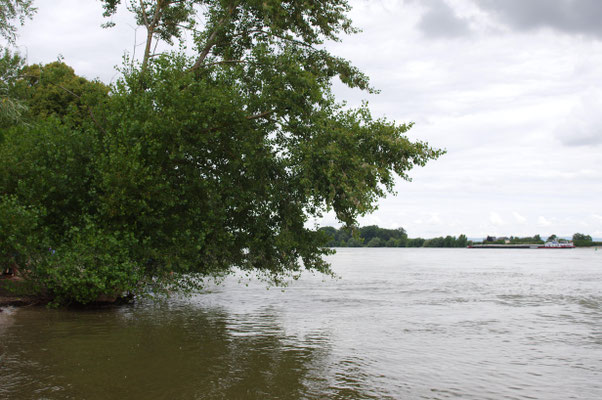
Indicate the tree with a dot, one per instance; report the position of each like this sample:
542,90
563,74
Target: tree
376,242
195,165
14,12
11,109
256,98
582,237
415,242
331,233
370,232
353,242
55,90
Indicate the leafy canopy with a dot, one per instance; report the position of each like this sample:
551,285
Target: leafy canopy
11,109
195,164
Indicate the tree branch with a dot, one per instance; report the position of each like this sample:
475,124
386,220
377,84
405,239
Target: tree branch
223,62
144,16
260,115
150,31
211,41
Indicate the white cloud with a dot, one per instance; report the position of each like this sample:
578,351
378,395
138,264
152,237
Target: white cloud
583,126
519,218
434,219
496,219
543,222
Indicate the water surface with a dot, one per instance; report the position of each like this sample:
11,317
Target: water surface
399,324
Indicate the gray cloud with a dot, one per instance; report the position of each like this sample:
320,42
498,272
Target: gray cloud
440,21
569,16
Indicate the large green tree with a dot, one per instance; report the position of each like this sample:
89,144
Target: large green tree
196,164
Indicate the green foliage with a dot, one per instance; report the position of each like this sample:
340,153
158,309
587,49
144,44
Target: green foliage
375,242
374,236
582,240
393,243
192,166
54,90
90,264
448,241
347,237
14,12
581,237
11,109
415,242
536,239
353,242
21,236
48,166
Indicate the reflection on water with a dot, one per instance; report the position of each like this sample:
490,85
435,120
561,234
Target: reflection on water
401,323
168,351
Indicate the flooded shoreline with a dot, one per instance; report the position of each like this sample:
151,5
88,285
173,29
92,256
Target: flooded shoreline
427,323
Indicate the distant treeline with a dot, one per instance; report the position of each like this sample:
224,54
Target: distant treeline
374,236
579,240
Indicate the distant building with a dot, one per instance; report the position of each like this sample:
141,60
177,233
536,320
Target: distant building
497,239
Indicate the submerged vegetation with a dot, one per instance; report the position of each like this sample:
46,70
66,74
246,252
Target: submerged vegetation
188,166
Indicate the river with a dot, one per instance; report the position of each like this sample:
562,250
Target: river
396,324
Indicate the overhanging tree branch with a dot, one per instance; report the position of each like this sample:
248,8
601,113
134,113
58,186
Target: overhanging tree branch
260,115
212,40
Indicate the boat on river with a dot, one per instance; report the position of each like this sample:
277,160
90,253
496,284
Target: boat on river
557,245
547,245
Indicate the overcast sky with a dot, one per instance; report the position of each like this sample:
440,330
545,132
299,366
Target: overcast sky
511,88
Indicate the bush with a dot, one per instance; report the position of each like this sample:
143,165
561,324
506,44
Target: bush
92,265
20,236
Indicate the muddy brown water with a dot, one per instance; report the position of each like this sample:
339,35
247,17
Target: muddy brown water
399,324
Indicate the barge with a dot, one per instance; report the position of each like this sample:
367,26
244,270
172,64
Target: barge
548,245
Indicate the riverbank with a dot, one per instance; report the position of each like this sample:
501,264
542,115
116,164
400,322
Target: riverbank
13,293
19,301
